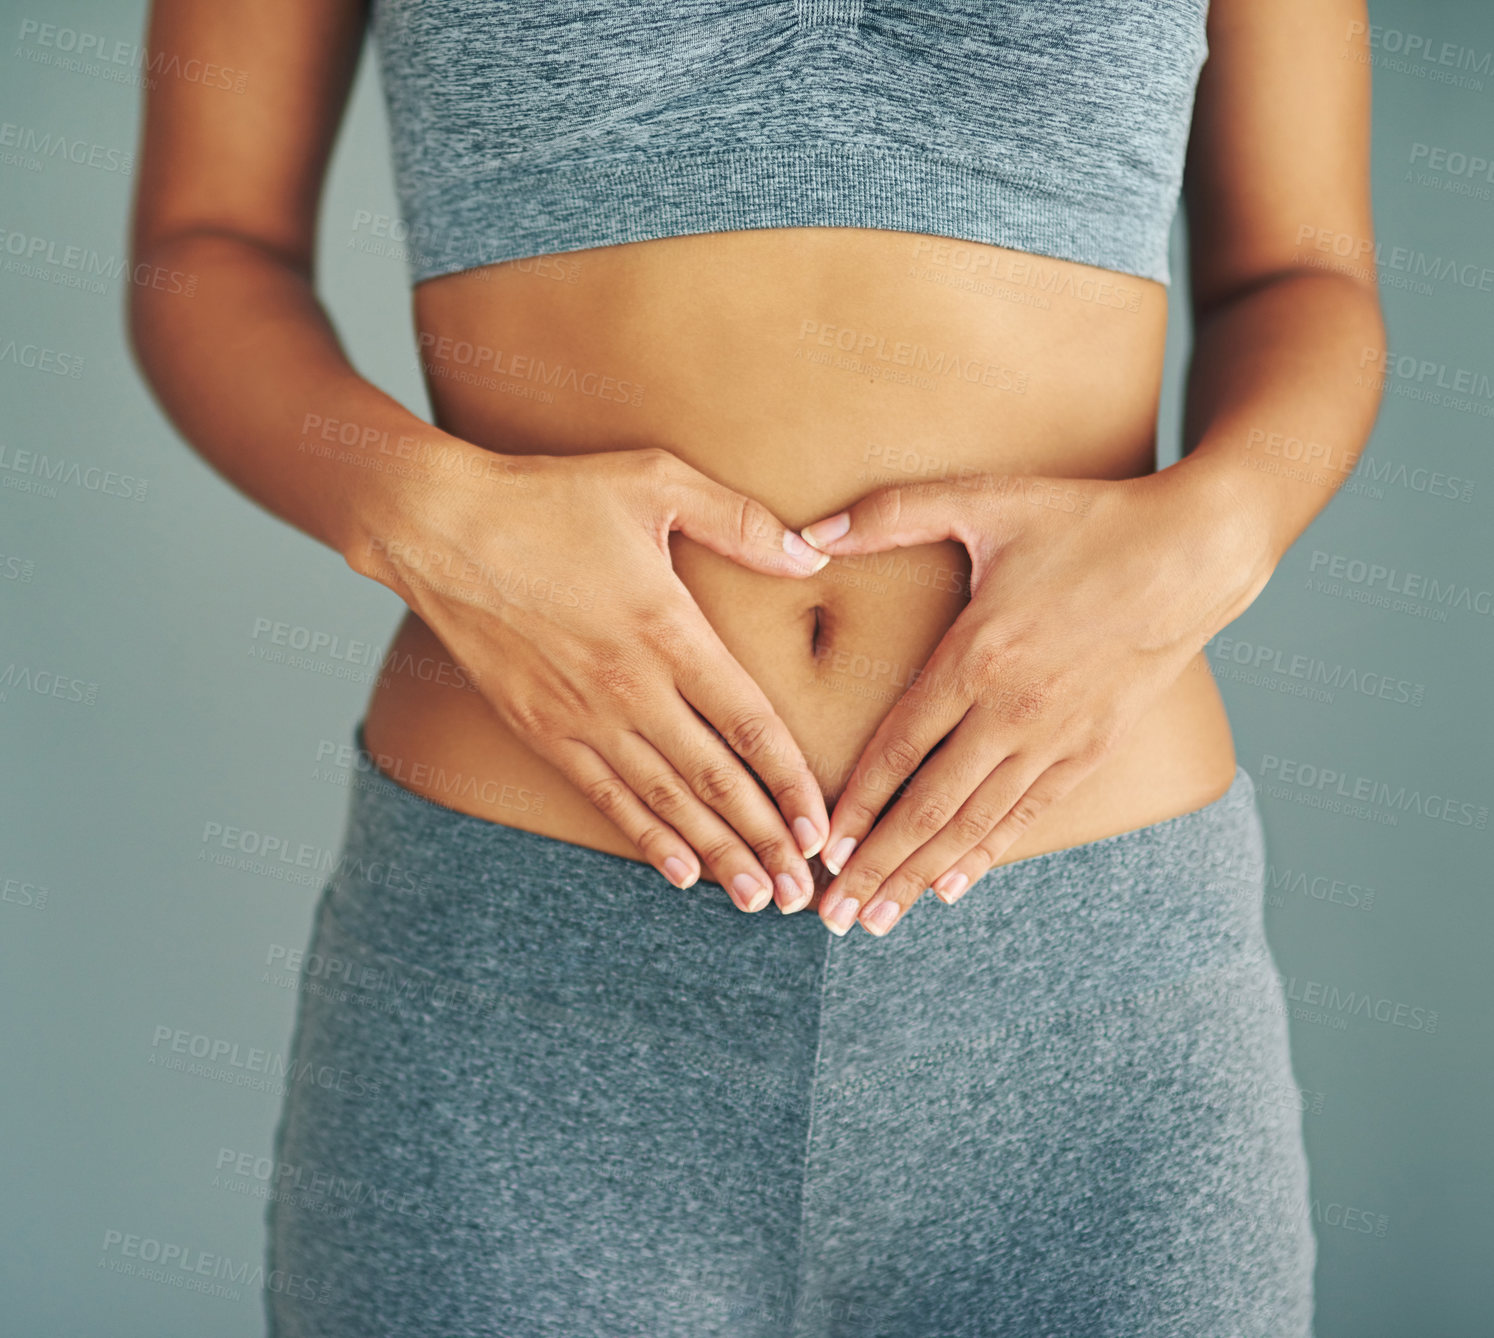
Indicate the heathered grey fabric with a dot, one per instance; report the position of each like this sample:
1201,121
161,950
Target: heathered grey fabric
557,1098
526,127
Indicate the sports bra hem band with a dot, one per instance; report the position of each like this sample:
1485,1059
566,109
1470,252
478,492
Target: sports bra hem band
522,213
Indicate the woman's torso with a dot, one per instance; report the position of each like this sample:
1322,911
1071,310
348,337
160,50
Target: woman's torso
804,367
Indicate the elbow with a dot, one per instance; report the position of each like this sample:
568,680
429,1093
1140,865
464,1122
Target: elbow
137,322
1357,291
140,297
1363,299
146,333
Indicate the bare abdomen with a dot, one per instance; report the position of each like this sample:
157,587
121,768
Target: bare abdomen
806,368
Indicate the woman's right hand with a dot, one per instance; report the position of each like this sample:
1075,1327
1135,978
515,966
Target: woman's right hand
549,579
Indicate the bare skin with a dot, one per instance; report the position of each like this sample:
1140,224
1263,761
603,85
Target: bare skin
722,333
596,571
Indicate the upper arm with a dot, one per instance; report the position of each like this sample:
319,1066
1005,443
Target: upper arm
249,163
1278,158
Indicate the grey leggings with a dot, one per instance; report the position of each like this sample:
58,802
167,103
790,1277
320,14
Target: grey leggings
547,1095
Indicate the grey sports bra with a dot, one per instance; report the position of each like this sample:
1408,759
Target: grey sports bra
527,127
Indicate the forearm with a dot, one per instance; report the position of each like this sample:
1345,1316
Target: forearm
1280,401
250,370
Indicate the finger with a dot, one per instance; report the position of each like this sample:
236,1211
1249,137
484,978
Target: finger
1050,787
667,793
722,783
924,715
611,796
1002,792
734,706
900,516
734,525
936,796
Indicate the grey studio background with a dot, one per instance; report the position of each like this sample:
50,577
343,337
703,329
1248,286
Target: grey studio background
141,701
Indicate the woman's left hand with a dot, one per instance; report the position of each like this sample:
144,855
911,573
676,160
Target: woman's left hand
1088,598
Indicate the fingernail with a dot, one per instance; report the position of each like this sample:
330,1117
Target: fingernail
754,895
881,917
790,895
794,546
950,888
800,551
827,531
841,914
799,901
836,857
808,837
677,871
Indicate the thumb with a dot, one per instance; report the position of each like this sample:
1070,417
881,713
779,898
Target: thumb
741,529
901,516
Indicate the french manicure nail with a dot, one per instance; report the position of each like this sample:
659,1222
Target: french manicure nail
950,888
827,531
795,547
808,838
677,871
800,551
841,915
881,917
797,903
789,891
836,857
753,894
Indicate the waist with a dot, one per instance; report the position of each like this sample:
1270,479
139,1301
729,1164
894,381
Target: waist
419,891
429,731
